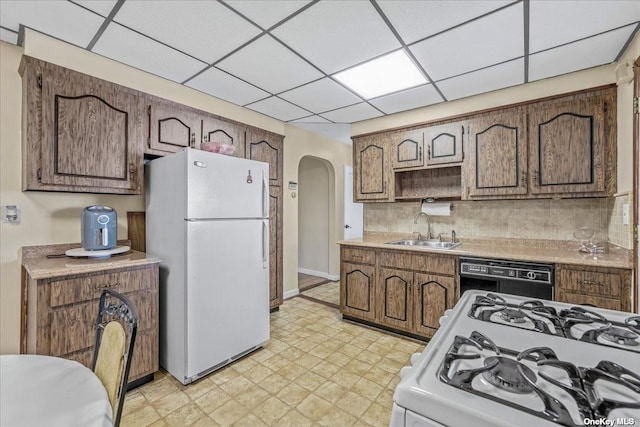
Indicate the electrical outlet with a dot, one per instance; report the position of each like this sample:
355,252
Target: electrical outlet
625,213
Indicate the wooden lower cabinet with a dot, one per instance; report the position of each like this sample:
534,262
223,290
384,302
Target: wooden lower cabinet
357,296
433,295
404,291
608,288
61,313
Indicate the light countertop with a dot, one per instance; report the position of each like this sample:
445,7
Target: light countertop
38,266
549,251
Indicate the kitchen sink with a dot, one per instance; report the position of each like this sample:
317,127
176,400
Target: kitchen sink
435,244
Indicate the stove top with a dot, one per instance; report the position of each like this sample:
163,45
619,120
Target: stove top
501,360
601,327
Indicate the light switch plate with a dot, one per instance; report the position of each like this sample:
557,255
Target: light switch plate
625,213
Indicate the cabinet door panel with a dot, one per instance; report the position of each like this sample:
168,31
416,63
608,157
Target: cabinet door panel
275,246
567,147
172,127
218,130
407,150
92,132
394,298
444,143
434,294
498,156
371,171
357,290
266,147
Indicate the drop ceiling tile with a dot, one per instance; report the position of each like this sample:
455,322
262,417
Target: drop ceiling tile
311,119
354,113
407,99
487,41
417,19
225,86
492,78
269,65
266,13
336,131
8,36
131,48
202,28
102,7
558,22
278,109
61,19
321,95
335,35
576,56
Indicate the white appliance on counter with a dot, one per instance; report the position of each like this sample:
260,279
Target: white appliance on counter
501,360
207,220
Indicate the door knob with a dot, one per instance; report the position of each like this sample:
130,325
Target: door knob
347,226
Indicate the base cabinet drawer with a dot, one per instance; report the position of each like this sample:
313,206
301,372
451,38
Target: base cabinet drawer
579,299
608,288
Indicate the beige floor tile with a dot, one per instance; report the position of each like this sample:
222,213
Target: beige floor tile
228,413
257,373
310,380
293,394
271,410
338,359
224,375
242,366
377,415
236,386
350,350
294,419
198,388
368,389
275,362
157,390
292,371
141,418
308,361
322,351
252,397
354,404
345,378
249,420
169,403
134,401
314,407
380,376
205,422
159,423
330,391
274,383
337,417
357,367
372,358
325,369
212,400
186,415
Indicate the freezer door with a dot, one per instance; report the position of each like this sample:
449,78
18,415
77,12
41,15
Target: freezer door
220,186
227,291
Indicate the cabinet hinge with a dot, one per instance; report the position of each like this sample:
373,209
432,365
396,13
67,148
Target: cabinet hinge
606,107
636,108
635,232
39,81
39,174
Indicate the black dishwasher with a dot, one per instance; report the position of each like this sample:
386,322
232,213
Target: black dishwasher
510,277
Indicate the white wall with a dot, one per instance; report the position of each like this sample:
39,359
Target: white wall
313,215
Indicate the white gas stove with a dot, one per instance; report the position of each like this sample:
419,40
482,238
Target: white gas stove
501,360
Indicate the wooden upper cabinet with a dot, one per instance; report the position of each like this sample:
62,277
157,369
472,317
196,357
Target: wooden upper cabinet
497,155
371,172
443,143
215,129
81,134
408,150
172,126
567,147
266,147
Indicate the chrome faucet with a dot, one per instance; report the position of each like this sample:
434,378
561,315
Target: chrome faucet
415,221
453,236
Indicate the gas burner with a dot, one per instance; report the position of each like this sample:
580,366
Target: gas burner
582,315
633,323
620,336
513,316
504,374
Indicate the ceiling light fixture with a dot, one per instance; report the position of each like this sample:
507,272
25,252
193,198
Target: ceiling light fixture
387,74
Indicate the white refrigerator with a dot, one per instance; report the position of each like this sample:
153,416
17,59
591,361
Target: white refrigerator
207,221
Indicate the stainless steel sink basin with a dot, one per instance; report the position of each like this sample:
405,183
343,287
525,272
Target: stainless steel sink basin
435,244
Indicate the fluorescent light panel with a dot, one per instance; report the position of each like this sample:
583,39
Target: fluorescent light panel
389,73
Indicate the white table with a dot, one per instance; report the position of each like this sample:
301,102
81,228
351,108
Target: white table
50,391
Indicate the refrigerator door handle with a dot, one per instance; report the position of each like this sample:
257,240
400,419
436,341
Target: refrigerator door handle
265,196
265,250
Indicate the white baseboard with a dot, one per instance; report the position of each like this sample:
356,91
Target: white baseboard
290,294
319,274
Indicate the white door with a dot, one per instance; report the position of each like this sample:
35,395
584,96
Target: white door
353,212
227,309
222,186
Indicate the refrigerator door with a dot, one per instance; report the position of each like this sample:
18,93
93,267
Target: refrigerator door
227,291
221,186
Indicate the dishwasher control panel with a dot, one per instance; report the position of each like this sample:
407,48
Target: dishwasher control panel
529,272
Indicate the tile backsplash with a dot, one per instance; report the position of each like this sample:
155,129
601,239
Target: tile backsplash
529,219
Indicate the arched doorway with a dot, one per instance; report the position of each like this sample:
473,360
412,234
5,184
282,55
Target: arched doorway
316,204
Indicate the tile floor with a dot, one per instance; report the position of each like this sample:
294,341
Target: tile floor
315,370
329,293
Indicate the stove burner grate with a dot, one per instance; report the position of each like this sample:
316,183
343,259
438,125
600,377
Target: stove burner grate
513,316
504,374
620,336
